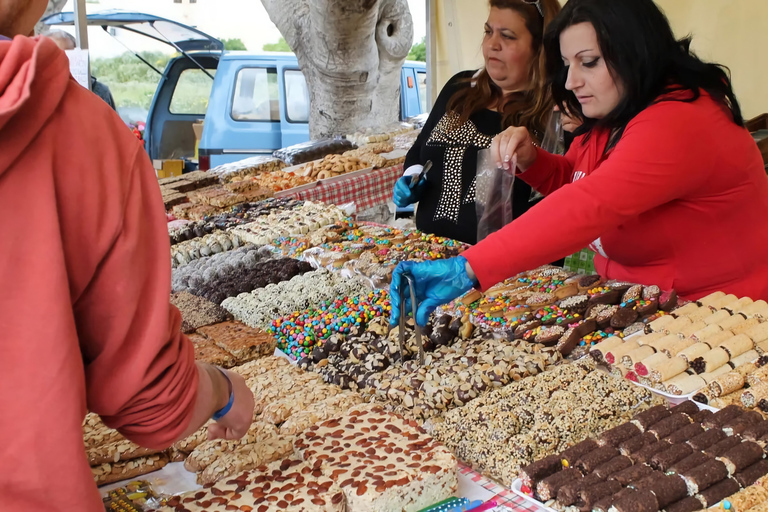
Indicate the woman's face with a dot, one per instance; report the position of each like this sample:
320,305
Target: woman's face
589,77
508,50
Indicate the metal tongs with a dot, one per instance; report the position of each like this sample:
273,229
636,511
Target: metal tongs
414,308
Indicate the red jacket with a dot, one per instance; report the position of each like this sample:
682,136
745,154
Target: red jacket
84,286
681,201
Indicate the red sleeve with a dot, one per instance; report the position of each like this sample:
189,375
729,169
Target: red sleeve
140,371
662,156
550,172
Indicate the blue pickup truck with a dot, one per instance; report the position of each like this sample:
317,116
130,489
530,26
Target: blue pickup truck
252,103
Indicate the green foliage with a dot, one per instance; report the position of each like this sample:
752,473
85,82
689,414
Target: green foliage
234,45
280,46
419,51
132,82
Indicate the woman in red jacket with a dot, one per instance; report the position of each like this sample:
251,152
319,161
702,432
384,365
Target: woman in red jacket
663,182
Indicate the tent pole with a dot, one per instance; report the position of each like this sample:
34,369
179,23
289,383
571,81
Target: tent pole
81,32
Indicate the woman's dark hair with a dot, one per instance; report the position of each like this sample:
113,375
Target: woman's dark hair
531,108
642,54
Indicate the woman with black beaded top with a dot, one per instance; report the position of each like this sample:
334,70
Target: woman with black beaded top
474,107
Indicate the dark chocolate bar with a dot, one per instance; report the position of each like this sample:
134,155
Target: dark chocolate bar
613,466
685,433
636,443
669,457
694,460
617,435
571,455
644,455
689,504
702,477
547,489
670,425
532,473
716,450
688,407
741,456
668,489
568,494
719,491
749,476
632,474
604,504
723,416
741,423
709,438
640,501
589,461
647,419
589,495
756,431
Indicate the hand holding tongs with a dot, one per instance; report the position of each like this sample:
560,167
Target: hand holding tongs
414,308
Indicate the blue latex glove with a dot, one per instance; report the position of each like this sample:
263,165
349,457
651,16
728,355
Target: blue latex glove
436,283
404,195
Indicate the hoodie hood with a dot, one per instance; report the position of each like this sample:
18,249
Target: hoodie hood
34,76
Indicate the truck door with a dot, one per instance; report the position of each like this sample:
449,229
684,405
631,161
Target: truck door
294,106
409,94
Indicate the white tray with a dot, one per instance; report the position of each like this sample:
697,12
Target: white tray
516,488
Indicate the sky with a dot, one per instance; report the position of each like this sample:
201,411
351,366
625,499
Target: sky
244,19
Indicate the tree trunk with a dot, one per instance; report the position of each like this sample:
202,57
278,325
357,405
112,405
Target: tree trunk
351,52
54,6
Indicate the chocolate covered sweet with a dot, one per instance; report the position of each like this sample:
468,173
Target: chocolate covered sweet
588,462
540,469
685,433
667,488
636,443
692,461
750,475
670,425
617,435
718,492
631,474
613,466
571,455
569,493
547,488
707,439
589,495
702,477
648,418
741,456
645,455
640,501
669,457
718,449
689,504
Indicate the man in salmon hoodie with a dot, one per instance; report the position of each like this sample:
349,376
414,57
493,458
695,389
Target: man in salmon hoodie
85,322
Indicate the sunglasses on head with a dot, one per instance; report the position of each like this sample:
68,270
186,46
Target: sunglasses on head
537,3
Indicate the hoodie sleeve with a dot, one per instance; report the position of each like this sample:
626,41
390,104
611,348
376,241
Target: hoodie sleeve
140,371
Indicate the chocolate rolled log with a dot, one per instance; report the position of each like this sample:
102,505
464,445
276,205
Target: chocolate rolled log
688,330
667,489
685,433
751,474
689,504
540,469
745,326
758,333
547,488
686,309
618,435
647,365
738,345
661,323
604,504
694,351
710,377
632,474
708,331
741,423
758,376
725,384
703,415
644,455
721,447
613,466
641,501
670,424
718,492
751,396
678,346
708,439
598,351
745,499
589,461
712,360
637,443
669,457
741,456
569,457
589,495
614,355
648,418
702,477
755,431
688,407
684,384
568,494
630,360
694,460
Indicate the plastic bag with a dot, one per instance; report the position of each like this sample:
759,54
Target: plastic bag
553,142
312,150
493,196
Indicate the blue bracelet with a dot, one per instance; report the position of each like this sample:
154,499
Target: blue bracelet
222,412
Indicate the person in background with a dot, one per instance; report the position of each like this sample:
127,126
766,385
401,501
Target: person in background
471,109
663,179
67,41
84,303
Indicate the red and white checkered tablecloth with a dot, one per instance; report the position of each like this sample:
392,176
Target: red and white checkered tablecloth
366,191
503,496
